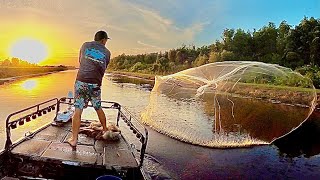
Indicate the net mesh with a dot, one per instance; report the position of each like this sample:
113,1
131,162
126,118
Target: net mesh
230,104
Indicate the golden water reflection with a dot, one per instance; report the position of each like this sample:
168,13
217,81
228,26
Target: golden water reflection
20,94
24,93
29,85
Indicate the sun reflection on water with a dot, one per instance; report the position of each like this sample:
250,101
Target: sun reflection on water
29,84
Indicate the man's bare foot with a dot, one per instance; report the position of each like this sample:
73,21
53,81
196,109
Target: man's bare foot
72,143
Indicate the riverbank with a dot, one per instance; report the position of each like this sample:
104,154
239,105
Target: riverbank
8,74
147,77
242,90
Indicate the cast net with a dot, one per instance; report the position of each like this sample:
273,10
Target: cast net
230,104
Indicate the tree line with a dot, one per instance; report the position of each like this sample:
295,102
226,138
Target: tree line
294,47
15,62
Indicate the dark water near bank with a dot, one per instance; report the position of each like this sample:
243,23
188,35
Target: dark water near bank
294,156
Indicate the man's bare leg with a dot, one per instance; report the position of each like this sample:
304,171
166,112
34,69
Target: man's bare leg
102,119
75,126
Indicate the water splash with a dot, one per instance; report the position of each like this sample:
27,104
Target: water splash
230,104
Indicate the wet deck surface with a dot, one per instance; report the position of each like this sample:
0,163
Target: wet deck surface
50,144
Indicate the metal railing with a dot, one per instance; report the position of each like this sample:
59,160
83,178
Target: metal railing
143,138
27,118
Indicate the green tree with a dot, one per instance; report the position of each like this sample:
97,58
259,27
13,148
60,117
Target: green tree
15,62
293,60
172,55
283,32
315,51
179,57
242,44
227,56
6,62
228,39
265,40
138,66
301,38
200,60
214,57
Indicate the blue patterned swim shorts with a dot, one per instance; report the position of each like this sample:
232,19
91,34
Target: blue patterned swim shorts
85,92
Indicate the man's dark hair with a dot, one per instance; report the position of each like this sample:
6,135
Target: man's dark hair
100,35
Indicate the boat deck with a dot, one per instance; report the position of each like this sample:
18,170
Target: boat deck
50,144
45,152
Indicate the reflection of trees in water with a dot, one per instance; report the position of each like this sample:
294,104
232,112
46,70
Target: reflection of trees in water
304,140
236,121
289,95
259,119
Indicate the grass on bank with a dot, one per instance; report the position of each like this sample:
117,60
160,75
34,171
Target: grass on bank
134,74
7,72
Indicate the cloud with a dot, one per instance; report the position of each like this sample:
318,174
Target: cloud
154,15
147,45
115,28
130,23
195,29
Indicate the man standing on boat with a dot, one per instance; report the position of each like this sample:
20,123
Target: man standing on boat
94,58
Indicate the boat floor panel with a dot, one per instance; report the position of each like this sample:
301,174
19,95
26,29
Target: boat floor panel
50,144
32,147
118,158
121,144
53,133
82,139
63,151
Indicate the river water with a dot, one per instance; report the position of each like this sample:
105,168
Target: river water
295,156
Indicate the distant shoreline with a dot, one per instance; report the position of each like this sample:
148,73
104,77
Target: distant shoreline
147,77
16,73
10,79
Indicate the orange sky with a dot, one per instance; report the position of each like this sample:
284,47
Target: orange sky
62,26
57,38
135,26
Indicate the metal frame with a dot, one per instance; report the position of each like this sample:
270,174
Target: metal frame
13,124
122,111
142,138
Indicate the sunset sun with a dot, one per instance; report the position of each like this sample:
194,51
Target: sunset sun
28,49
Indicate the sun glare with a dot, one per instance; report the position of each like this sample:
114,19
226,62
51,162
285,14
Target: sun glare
31,50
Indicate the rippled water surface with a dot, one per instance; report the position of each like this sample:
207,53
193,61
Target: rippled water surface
295,156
